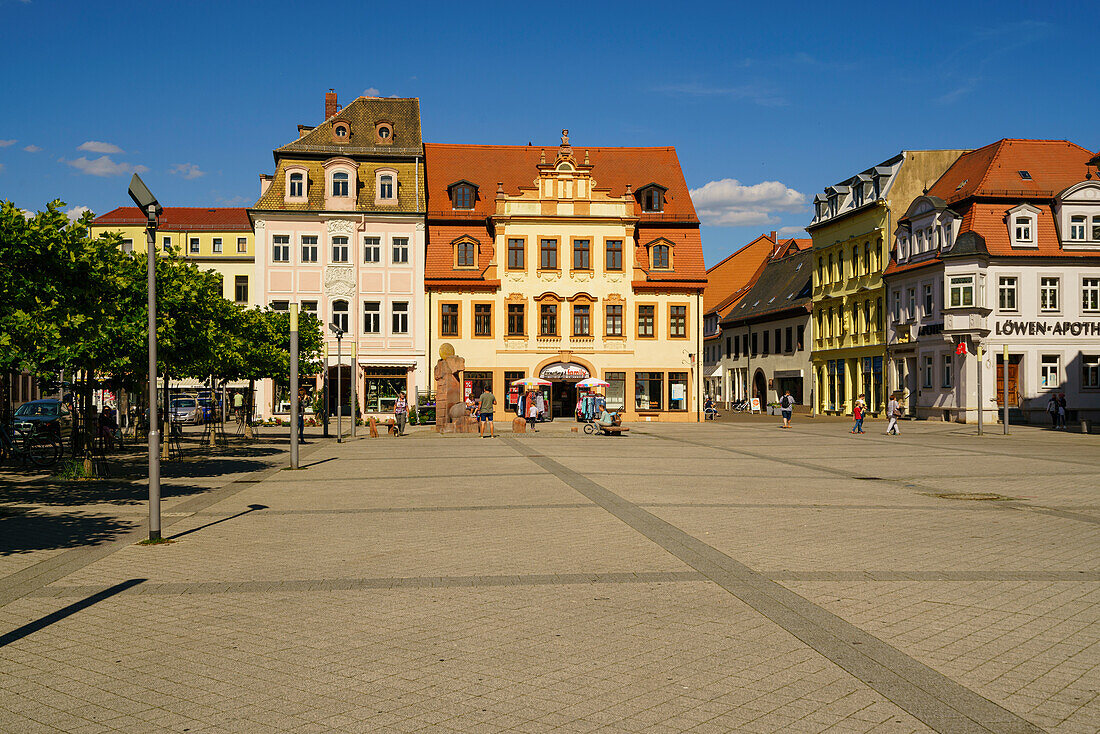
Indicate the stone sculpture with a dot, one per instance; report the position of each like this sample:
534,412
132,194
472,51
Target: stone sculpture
450,406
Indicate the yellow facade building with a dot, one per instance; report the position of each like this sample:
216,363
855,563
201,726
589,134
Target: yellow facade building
218,239
564,264
851,232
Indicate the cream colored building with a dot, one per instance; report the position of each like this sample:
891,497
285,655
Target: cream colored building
564,264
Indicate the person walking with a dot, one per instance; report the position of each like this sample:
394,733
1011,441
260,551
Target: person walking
485,412
302,395
893,412
540,403
786,407
857,414
400,412
1062,411
532,411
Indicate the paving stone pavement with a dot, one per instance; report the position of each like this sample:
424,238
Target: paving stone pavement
703,578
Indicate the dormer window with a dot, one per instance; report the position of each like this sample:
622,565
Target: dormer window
660,257
463,195
466,254
298,186
383,132
1024,229
341,131
385,187
947,235
652,198
340,184
1022,222
1077,227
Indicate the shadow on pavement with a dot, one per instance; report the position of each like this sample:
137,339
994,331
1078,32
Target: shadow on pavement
62,492
251,508
43,622
23,531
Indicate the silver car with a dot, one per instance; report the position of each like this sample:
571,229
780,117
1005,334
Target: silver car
185,410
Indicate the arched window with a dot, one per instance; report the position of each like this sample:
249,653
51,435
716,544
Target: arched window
660,257
465,255
340,315
385,187
297,185
340,184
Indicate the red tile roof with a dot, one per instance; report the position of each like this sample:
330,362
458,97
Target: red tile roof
995,170
735,273
182,219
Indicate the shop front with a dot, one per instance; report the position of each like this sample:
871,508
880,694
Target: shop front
561,394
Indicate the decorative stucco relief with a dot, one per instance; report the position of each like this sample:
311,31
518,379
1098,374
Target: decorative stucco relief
340,226
340,280
260,224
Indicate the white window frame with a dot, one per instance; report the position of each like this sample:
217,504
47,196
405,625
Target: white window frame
372,249
1075,234
929,367
929,299
280,248
1050,294
193,246
372,317
379,175
1050,365
341,249
399,250
960,283
242,244
399,317
1090,371
1090,294
947,380
346,314
309,250
290,197
1024,227
346,181
216,245
1004,287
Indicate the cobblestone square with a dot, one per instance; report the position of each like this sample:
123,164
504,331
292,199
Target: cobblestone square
704,578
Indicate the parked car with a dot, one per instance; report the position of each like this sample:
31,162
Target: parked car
212,409
185,410
48,414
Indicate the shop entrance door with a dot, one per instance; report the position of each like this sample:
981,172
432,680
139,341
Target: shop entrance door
1013,380
564,399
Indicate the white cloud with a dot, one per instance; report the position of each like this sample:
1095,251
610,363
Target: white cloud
27,213
729,203
765,96
94,146
32,149
6,143
76,212
796,232
104,166
187,170
371,92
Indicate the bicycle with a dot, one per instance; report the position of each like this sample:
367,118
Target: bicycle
35,447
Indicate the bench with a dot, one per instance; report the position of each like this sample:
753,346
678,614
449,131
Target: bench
391,426
613,430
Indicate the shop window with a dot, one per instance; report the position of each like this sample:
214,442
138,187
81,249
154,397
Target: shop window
648,390
678,391
1049,370
340,249
582,255
280,248
515,253
548,254
381,386
582,320
516,325
614,255
483,319
548,319
647,328
615,392
476,382
372,249
677,322
513,390
614,320
448,319
372,317
399,313
240,289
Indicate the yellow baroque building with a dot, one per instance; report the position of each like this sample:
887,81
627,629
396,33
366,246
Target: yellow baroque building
850,229
564,264
218,239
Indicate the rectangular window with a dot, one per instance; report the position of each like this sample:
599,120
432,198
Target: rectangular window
193,246
614,254
242,244
581,255
483,319
678,391
166,243
646,322
867,315
1048,294
548,254
616,390
217,245
736,348
1006,294
400,250
240,288
400,320
961,291
1096,229
767,345
372,317
1090,371
755,343
309,249
516,325
280,305
948,370
548,319
878,314
929,300
928,367
1023,229
648,390
127,245
280,248
309,307
381,386
1090,294
614,320
448,319
912,313
801,335
372,249
1049,370
788,336
515,253
897,305
677,322
339,249
582,320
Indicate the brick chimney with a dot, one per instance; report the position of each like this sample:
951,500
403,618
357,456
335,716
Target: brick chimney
772,238
331,107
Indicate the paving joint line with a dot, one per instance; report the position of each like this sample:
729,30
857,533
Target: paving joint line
940,702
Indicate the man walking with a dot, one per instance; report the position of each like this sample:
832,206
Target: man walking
893,412
401,412
485,412
786,407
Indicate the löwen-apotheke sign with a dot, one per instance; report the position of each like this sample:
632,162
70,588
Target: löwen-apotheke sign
1047,328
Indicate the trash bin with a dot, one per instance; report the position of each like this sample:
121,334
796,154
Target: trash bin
1085,426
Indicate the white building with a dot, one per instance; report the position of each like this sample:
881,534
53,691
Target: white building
1003,251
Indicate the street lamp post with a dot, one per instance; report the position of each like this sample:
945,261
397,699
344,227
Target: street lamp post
294,406
148,204
339,368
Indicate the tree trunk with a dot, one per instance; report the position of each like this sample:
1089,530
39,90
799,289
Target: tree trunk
248,411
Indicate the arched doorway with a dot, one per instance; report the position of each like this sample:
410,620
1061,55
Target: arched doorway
561,395
760,387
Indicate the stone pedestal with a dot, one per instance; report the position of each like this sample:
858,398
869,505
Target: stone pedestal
450,408
519,425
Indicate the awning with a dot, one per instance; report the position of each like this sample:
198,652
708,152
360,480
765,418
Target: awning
716,372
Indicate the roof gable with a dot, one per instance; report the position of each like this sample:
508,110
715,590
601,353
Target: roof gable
995,170
362,116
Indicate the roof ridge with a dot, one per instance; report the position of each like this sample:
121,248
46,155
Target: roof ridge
985,174
739,250
536,147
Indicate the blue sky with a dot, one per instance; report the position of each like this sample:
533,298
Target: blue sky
782,99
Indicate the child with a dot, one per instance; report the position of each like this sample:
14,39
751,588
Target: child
857,413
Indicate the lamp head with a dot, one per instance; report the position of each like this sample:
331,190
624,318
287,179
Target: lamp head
142,196
335,330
